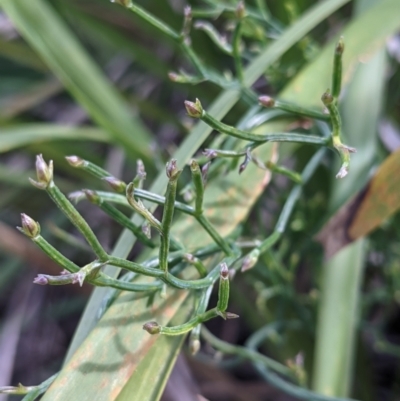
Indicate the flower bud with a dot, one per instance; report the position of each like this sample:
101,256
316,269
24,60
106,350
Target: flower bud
75,161
250,260
266,101
44,173
172,170
146,230
327,98
116,184
194,346
240,10
40,279
339,49
124,3
210,153
194,110
92,196
152,327
30,227
224,272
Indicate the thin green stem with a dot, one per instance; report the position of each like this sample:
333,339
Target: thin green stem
168,214
269,102
198,186
243,352
197,264
236,51
119,217
337,69
87,166
77,220
248,136
214,234
223,290
55,255
290,202
276,381
140,12
293,175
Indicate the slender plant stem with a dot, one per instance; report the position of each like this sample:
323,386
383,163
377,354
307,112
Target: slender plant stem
248,136
77,220
168,214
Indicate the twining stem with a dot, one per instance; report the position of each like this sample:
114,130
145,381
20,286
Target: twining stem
198,186
196,263
175,36
236,41
290,202
293,175
223,291
337,69
77,220
269,102
91,168
118,216
194,338
167,277
195,110
168,213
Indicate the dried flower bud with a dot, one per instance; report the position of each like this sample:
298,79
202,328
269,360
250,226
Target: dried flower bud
75,161
339,49
152,327
44,173
30,227
116,184
124,3
146,230
224,272
92,196
210,153
40,279
172,169
250,260
194,110
266,101
194,346
246,161
204,171
240,10
230,315
327,98
76,196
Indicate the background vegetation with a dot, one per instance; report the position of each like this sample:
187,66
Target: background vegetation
93,79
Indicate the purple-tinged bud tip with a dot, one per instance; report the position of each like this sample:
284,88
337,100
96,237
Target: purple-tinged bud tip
30,227
116,184
146,229
92,196
124,3
41,280
194,110
172,170
224,272
266,101
210,153
187,12
44,173
75,161
152,327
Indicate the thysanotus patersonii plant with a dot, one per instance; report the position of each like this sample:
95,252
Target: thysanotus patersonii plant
172,264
